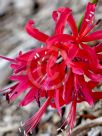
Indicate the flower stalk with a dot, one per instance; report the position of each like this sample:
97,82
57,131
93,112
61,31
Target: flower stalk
94,1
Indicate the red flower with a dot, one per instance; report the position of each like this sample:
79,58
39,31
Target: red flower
66,70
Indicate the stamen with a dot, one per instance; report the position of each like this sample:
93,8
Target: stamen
22,124
20,130
43,59
87,20
39,63
42,46
45,52
63,83
31,132
92,12
58,129
67,126
9,59
37,55
25,134
90,15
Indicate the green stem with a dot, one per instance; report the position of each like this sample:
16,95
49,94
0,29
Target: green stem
94,1
80,22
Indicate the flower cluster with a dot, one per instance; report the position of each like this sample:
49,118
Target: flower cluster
64,71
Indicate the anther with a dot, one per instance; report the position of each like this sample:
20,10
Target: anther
92,12
37,55
87,20
20,130
45,52
90,15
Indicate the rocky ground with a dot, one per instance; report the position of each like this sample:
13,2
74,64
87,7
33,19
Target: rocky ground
13,38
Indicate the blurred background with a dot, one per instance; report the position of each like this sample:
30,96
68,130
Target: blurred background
13,38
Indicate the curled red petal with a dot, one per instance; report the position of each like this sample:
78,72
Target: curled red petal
72,25
60,23
88,17
55,15
35,32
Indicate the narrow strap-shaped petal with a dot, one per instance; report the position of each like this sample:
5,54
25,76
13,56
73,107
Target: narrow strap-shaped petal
19,89
73,49
88,29
72,25
6,58
86,92
29,97
60,23
35,32
20,68
92,54
88,17
93,76
8,91
98,48
57,101
93,36
59,38
68,88
51,62
92,84
97,95
71,117
34,120
18,77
